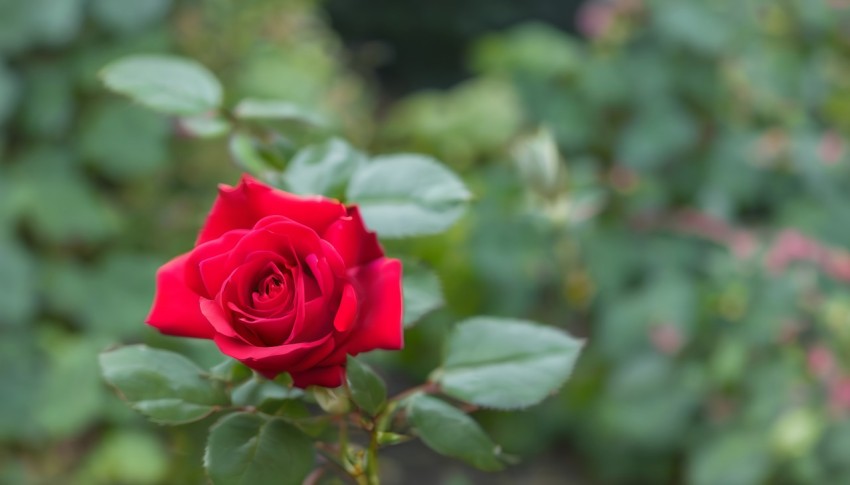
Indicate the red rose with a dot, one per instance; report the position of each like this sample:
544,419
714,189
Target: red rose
283,284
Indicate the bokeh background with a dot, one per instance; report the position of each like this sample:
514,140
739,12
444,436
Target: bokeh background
696,231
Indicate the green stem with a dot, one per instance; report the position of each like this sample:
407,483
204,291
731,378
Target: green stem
343,440
372,459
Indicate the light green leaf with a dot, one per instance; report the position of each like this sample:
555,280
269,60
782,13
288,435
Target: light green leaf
249,449
275,109
243,148
204,126
125,457
166,387
422,293
505,363
449,431
368,391
169,84
408,195
319,169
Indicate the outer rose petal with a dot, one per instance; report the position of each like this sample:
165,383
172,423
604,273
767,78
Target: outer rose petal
379,321
242,206
319,376
176,309
352,240
271,361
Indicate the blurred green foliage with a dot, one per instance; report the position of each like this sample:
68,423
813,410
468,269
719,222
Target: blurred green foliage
95,195
694,234
696,239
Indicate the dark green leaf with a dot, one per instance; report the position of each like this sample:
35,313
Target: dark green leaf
258,390
230,370
18,285
449,431
367,389
408,195
163,385
169,84
128,16
250,449
505,363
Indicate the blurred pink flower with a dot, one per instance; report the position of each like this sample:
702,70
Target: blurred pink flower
821,362
666,338
595,18
831,148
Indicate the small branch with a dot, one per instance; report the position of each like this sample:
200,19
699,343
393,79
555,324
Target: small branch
427,388
372,459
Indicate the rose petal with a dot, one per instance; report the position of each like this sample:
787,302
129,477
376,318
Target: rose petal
319,376
176,308
242,206
271,361
347,311
379,322
206,269
218,318
352,240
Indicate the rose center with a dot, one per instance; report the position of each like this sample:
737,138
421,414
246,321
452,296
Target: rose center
270,287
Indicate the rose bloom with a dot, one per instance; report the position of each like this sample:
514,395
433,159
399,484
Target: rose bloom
283,284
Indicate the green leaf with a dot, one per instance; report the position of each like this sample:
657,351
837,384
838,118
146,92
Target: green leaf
126,456
505,363
72,393
368,391
408,195
449,431
231,370
319,169
19,285
169,84
204,126
166,387
258,390
275,109
422,293
124,141
244,150
249,449
128,16
9,89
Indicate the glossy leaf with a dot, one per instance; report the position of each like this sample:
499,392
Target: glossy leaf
368,390
168,84
422,293
275,109
449,431
506,364
250,449
408,195
321,168
165,386
258,390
